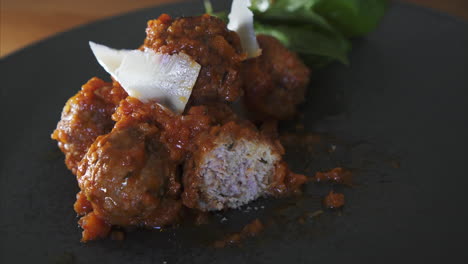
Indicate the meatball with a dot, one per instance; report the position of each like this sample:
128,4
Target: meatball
234,165
208,41
86,116
128,179
177,131
275,82
180,131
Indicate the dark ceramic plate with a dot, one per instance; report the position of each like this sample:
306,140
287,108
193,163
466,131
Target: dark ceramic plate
398,116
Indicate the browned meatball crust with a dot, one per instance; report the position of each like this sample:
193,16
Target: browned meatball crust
128,178
86,116
208,41
178,132
275,82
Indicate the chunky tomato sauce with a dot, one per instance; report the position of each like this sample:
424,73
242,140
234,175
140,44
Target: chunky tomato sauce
85,117
207,40
134,161
334,200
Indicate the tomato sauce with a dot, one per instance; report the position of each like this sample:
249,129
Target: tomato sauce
128,155
250,230
334,200
336,175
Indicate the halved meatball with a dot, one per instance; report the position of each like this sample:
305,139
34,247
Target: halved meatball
234,165
86,116
128,178
275,82
208,41
178,132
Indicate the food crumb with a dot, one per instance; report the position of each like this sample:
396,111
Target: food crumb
334,200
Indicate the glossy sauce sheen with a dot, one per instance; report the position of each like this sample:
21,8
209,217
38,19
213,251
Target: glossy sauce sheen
132,159
129,176
86,116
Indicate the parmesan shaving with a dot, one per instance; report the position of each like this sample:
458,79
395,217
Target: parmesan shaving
147,75
241,21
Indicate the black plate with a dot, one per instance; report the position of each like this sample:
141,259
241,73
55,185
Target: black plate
403,100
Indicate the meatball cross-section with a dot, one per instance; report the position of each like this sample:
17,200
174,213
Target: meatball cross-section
234,165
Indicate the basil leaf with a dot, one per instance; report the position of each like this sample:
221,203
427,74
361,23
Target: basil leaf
316,29
223,15
352,17
301,16
308,42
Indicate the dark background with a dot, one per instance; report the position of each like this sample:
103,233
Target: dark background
23,22
403,99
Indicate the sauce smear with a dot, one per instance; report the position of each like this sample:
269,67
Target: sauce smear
336,175
250,230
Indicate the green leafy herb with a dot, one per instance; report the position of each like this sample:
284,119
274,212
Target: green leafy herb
318,47
223,15
352,17
318,30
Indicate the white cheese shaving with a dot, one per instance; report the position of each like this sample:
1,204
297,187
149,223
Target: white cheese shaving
241,21
147,75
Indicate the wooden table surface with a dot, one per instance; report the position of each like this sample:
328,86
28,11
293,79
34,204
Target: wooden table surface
23,22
